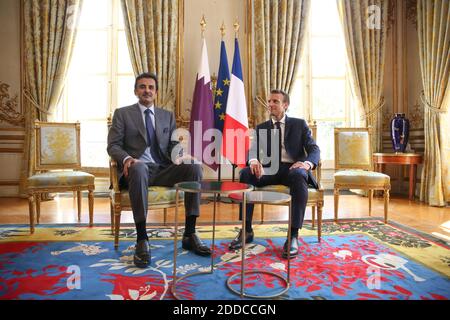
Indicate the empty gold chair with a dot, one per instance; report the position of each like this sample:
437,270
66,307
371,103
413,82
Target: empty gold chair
57,164
353,162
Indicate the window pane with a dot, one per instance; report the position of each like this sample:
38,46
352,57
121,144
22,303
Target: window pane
325,18
121,22
124,55
125,91
90,52
325,138
328,57
94,14
87,97
297,106
328,99
93,147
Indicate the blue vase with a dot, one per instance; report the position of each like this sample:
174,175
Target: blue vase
399,132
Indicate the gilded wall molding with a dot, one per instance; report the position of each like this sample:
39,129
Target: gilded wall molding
416,113
8,107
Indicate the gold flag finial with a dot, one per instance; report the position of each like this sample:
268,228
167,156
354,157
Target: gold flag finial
236,28
203,24
222,29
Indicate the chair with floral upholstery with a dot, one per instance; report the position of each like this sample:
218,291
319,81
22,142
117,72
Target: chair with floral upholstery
158,198
57,163
353,160
315,196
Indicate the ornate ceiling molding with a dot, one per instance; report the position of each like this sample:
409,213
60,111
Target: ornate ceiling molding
8,107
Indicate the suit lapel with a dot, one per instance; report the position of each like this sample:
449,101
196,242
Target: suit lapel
139,122
287,129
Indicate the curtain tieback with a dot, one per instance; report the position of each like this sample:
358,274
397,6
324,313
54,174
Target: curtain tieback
33,102
429,106
374,110
262,102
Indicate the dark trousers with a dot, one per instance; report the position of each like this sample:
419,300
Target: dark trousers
295,179
141,175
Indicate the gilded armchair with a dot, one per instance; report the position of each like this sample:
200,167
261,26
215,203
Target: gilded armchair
353,160
57,164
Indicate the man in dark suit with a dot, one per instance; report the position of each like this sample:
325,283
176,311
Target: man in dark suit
140,140
287,142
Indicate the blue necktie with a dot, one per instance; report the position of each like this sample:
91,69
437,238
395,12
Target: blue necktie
151,137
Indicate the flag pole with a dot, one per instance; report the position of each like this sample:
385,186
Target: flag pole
219,177
236,35
203,26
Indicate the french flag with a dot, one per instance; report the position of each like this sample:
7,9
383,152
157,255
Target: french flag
235,139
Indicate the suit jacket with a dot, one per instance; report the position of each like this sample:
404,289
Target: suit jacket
128,136
299,144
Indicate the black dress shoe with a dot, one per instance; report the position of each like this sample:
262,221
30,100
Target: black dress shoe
236,244
293,249
142,254
193,243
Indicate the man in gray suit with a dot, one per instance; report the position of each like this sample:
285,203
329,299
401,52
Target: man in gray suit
140,140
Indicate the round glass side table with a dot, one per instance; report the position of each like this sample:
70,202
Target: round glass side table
212,187
261,197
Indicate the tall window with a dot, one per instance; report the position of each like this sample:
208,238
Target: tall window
100,77
322,90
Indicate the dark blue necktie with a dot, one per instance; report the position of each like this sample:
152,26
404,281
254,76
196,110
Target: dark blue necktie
151,137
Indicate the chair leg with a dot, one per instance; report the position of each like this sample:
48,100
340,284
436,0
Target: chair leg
386,204
165,216
116,227
79,205
38,207
336,204
313,216
111,208
319,222
31,211
91,207
370,202
262,213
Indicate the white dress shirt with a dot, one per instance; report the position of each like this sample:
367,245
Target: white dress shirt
285,157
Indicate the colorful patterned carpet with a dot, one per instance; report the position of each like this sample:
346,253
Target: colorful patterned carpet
356,260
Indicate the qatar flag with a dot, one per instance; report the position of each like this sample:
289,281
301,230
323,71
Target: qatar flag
235,140
202,115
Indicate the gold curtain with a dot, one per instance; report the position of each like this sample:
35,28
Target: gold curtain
433,24
49,34
279,28
365,28
152,35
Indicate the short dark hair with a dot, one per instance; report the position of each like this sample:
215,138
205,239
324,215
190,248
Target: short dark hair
146,75
285,95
